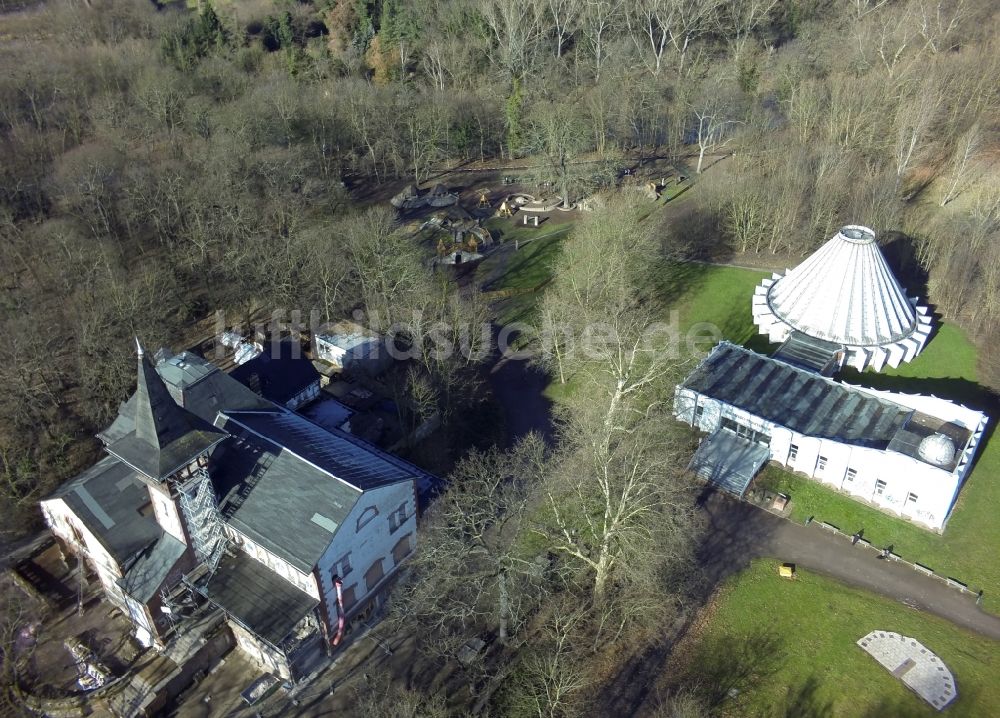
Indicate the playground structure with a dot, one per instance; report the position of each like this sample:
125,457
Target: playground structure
522,202
468,238
410,197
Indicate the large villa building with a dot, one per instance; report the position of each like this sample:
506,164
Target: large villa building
906,454
211,495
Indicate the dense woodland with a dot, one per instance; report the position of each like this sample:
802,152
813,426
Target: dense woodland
159,163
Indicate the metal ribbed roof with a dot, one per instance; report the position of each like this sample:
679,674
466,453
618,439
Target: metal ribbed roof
845,293
800,400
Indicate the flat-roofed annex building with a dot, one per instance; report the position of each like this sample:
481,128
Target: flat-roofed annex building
907,454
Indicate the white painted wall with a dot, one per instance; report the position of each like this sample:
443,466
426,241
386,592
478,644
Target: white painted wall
903,475
167,512
304,396
303,581
374,540
61,521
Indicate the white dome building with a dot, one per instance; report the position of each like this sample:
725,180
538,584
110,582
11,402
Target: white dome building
844,298
938,449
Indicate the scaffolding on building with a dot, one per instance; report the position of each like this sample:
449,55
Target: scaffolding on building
201,514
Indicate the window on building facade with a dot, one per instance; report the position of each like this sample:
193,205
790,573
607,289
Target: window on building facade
745,432
852,474
342,566
879,487
793,452
911,498
397,518
374,574
821,463
401,550
366,516
347,596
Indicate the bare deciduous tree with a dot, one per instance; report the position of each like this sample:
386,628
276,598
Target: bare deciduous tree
962,162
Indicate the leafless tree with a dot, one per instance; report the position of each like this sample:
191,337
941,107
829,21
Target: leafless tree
962,162
552,674
714,116
516,29
598,22
472,573
565,17
914,119
742,19
656,25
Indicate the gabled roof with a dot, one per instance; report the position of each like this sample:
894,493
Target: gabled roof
277,499
814,405
845,293
804,402
110,500
288,484
351,460
280,373
164,436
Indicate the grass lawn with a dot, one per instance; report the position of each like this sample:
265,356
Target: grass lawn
527,268
967,549
711,296
789,648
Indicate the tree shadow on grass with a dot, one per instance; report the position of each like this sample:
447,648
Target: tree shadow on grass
803,701
727,666
675,279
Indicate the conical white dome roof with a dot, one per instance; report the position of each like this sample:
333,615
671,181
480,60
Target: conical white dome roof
845,293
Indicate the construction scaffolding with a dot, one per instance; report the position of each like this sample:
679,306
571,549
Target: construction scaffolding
201,515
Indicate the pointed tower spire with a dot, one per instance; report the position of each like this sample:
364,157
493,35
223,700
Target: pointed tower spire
165,436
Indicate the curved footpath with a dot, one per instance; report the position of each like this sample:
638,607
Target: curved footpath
740,532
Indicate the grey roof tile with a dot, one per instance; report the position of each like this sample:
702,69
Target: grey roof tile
110,500
804,402
258,598
145,577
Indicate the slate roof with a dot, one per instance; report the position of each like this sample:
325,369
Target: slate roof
280,373
800,400
350,459
278,499
197,385
145,577
108,498
164,436
258,598
289,484
205,390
